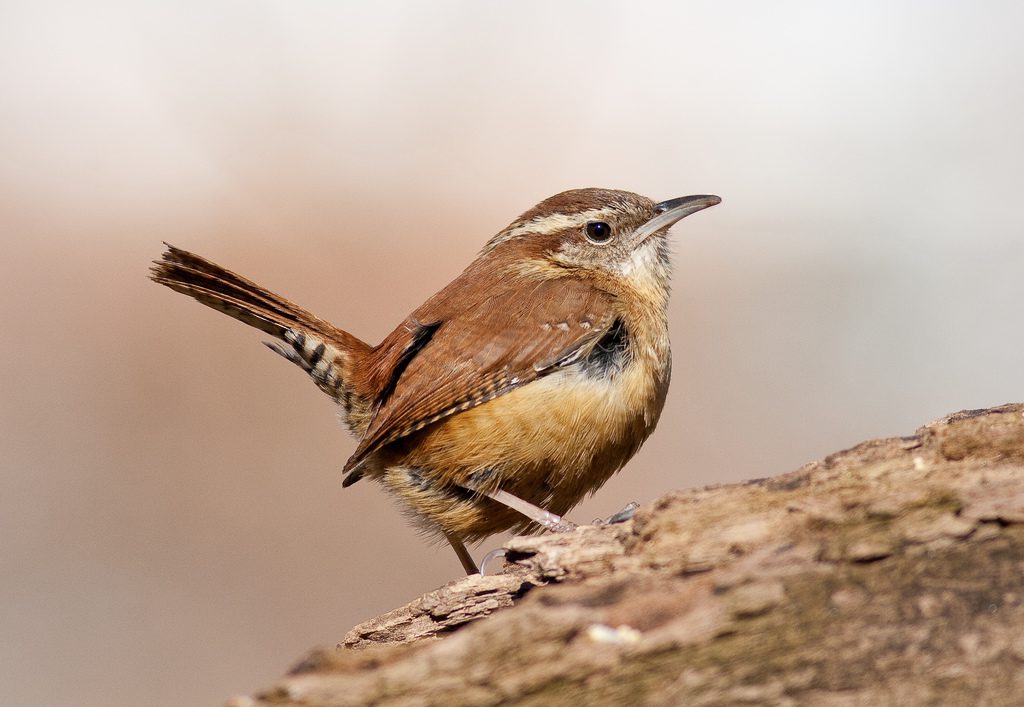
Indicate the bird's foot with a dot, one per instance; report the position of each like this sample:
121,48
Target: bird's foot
557,524
621,517
546,519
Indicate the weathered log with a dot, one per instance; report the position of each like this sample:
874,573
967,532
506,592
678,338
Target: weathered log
889,573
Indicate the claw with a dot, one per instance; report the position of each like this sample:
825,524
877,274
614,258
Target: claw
561,526
490,557
621,517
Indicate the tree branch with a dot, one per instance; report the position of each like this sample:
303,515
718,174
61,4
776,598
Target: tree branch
887,573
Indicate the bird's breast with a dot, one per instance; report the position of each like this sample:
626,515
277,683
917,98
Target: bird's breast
557,438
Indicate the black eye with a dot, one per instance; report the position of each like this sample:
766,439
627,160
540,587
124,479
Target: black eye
598,232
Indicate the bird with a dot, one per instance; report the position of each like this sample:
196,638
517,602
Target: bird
516,390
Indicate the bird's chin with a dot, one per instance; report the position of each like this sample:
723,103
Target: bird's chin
650,261
659,246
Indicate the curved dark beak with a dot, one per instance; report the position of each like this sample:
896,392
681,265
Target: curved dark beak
668,212
687,205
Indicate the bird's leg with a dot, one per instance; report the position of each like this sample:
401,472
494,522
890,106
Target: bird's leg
545,519
621,517
460,549
548,520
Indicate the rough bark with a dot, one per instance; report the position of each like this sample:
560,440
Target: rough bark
889,573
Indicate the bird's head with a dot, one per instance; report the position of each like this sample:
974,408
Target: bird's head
617,238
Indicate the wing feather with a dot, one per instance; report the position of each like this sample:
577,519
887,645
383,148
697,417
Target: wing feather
499,339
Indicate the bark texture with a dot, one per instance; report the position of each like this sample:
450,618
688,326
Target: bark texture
889,573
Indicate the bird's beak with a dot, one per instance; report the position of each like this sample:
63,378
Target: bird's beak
668,212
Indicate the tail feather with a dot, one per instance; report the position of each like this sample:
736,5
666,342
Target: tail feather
234,295
328,354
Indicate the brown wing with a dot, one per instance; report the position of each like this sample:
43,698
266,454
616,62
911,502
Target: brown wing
500,338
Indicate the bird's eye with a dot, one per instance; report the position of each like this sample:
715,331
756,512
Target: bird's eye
598,232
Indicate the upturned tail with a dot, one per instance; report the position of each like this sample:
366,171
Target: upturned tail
329,355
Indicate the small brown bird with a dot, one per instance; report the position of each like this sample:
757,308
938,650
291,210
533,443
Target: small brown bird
515,391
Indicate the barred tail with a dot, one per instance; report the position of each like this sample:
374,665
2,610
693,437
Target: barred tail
328,354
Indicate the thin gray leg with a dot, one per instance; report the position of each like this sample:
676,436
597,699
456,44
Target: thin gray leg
464,557
546,519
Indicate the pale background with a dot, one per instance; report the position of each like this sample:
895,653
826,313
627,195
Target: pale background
172,525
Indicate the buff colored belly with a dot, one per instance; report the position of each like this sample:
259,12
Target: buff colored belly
550,442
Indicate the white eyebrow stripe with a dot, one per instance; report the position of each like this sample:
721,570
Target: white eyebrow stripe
552,223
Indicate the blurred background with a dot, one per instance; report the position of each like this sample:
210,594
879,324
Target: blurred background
172,524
